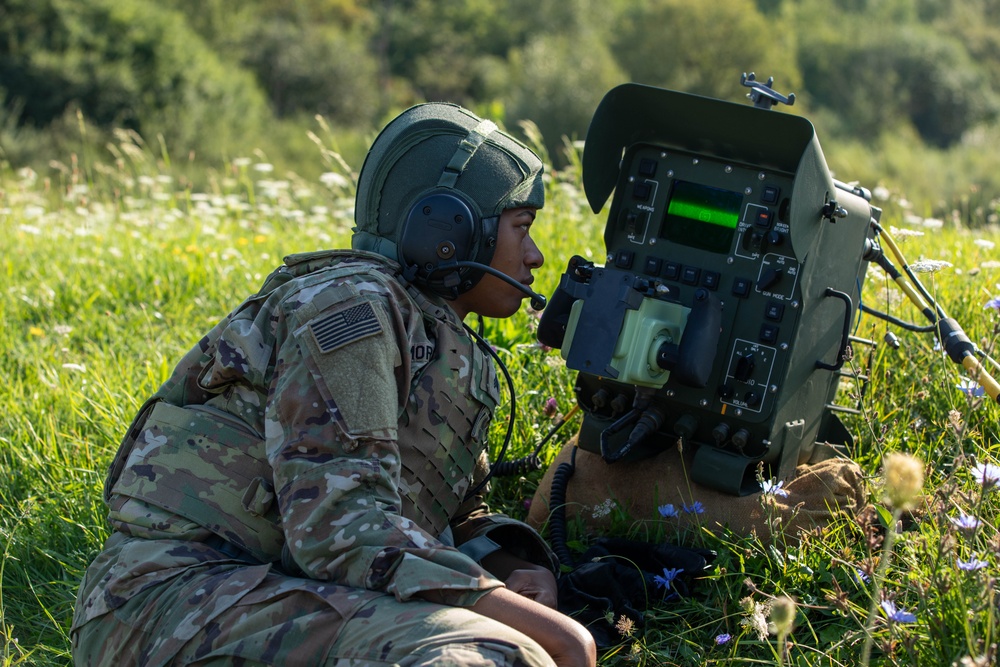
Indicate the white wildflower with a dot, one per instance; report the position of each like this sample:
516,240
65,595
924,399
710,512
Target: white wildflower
904,232
332,179
756,617
604,509
929,266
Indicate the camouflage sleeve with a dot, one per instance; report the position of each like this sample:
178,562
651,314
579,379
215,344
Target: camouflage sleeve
331,429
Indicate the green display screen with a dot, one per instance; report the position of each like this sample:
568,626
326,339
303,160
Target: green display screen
702,217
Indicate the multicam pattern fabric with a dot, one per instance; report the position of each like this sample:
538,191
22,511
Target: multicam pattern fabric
316,445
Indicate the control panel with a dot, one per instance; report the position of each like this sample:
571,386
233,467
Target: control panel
687,223
733,267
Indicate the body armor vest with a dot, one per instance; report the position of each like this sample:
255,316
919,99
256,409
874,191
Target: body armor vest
442,433
210,467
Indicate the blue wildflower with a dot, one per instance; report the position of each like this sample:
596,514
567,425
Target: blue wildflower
966,522
773,488
972,564
897,615
669,574
987,474
694,508
970,387
667,511
860,576
722,639
993,303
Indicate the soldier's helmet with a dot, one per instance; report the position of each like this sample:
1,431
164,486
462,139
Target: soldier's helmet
431,191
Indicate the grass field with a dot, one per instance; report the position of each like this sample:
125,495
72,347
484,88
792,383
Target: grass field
112,271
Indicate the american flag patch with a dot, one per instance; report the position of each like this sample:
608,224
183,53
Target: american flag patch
346,326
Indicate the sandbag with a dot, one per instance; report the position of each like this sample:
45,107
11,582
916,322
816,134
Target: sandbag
812,497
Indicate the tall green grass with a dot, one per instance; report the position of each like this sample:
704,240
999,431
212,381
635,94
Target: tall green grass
113,269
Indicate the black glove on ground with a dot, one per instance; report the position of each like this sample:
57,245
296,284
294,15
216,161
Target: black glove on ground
620,577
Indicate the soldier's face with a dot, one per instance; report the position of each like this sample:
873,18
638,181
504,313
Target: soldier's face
517,256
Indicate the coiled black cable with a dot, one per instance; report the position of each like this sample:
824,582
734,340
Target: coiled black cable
533,461
558,529
524,464
520,466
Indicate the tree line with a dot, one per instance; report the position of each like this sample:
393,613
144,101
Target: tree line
219,77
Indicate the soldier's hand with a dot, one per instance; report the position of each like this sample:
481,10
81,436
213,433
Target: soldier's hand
535,583
532,581
568,643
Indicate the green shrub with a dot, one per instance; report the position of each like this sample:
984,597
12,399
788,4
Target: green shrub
559,81
123,63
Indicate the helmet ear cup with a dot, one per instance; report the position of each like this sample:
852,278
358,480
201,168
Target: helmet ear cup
443,228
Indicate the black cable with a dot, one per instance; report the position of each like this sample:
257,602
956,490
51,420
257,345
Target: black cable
533,461
956,343
938,313
558,530
520,466
486,347
538,301
909,326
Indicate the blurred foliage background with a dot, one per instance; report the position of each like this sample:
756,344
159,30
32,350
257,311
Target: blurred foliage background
904,93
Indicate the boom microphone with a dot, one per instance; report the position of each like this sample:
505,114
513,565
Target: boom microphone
537,300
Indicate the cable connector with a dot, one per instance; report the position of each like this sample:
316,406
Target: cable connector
953,339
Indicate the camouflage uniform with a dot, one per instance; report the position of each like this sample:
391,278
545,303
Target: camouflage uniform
296,492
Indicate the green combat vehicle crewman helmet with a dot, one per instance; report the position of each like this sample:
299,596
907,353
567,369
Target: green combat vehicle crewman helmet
432,189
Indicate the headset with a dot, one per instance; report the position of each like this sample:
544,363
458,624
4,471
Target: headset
443,238
446,244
